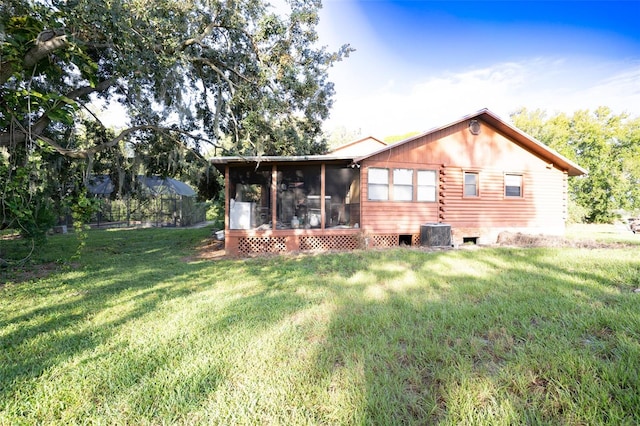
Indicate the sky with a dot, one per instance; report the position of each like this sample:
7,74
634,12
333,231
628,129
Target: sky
421,64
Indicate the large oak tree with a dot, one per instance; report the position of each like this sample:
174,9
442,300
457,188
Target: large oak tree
233,74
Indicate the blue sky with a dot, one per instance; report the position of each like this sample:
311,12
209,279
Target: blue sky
420,64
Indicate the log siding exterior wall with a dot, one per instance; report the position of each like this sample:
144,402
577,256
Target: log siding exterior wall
542,207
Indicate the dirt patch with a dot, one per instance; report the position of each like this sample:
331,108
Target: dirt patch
511,239
22,274
211,249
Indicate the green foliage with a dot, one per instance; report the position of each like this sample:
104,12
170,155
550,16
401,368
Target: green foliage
24,203
606,144
576,212
340,135
82,209
188,73
215,213
257,77
397,138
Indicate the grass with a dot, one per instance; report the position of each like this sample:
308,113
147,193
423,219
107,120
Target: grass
136,333
618,233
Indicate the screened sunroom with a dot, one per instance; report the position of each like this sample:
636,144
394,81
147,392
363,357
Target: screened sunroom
290,203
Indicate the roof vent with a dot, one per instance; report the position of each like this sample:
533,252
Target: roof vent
474,127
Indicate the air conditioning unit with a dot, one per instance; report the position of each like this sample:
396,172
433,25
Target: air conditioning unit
435,235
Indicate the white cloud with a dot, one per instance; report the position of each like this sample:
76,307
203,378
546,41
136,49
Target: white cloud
620,91
555,85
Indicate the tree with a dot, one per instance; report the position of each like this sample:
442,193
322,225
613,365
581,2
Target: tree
187,72
606,144
341,135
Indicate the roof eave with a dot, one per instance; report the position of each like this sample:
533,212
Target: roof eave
277,159
538,147
558,160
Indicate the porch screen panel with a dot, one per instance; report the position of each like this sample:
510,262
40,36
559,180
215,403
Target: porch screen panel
342,186
298,197
249,198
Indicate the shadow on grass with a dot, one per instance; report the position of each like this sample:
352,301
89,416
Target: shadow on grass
55,318
412,338
517,338
94,318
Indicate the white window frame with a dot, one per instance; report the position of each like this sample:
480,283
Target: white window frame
427,185
403,184
508,183
377,184
467,186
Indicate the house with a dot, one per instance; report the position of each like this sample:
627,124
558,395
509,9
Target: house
359,147
474,178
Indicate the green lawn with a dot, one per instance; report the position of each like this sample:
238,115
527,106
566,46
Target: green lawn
135,333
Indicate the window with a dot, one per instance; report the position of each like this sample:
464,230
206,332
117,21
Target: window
426,185
470,184
378,184
512,185
402,184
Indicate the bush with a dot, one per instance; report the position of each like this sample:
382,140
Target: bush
577,213
215,213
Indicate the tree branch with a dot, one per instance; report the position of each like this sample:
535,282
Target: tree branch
6,69
86,153
198,39
47,42
217,70
87,90
212,26
41,124
89,152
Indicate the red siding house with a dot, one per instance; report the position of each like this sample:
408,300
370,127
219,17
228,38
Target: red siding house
471,179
